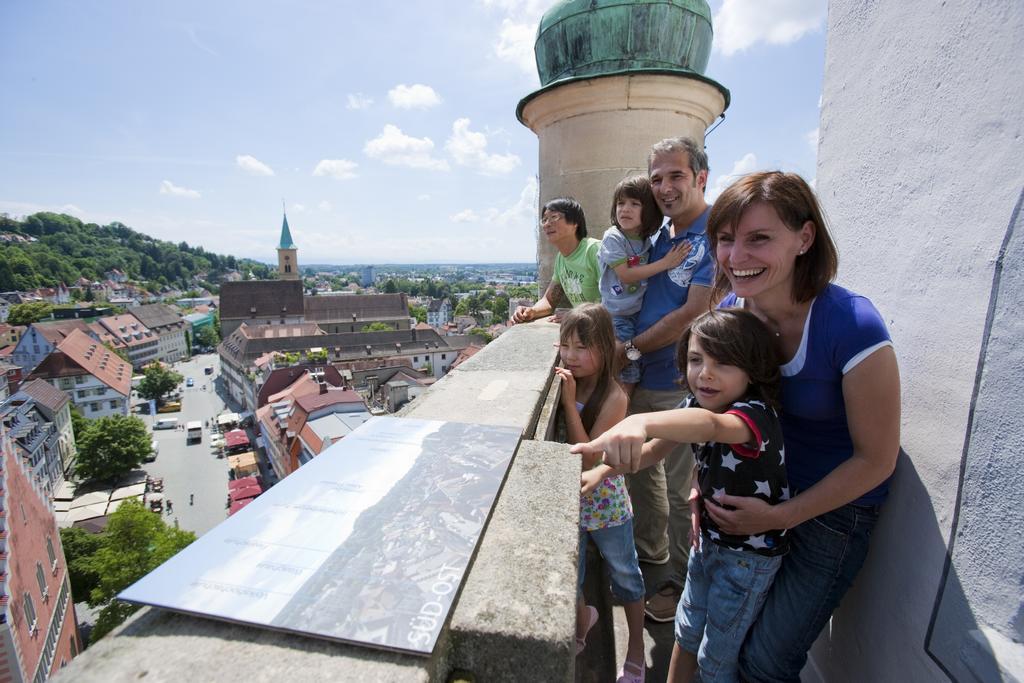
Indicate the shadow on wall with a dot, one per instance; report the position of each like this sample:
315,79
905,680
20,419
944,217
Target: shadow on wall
987,545
970,616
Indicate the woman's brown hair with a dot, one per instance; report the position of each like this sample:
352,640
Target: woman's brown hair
639,188
593,326
795,204
737,337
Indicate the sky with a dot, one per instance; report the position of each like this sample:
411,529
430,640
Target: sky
386,129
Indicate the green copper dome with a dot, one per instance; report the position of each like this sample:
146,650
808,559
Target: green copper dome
587,38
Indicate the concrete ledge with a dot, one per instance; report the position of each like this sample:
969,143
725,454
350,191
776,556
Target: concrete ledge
503,384
157,645
516,616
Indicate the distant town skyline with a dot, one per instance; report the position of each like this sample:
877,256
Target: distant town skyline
391,136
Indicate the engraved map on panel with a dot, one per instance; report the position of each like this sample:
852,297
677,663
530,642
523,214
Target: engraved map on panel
368,543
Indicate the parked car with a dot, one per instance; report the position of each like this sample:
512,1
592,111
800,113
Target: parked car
189,382
166,423
208,370
170,407
154,446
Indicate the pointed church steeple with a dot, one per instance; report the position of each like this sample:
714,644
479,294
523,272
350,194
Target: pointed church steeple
287,253
286,235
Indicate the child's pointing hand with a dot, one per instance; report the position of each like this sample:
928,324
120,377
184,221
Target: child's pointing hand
622,445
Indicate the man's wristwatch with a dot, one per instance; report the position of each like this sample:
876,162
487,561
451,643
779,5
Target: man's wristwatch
632,352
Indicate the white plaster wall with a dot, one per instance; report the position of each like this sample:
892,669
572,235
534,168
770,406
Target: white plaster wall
920,170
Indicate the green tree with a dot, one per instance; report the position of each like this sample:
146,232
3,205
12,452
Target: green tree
188,342
377,327
481,332
499,307
135,543
207,336
418,312
158,381
390,287
79,547
26,314
111,447
78,425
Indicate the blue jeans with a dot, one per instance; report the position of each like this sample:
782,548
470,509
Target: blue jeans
824,557
619,553
625,329
725,589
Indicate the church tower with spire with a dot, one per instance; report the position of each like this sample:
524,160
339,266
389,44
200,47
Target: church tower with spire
287,254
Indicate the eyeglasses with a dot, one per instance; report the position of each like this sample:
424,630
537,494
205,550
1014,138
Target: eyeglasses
551,218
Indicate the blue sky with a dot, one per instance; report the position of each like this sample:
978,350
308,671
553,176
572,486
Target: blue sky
387,128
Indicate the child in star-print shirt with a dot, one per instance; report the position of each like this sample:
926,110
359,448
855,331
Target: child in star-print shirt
730,363
756,468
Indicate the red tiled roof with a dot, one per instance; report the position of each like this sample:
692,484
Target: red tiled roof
312,402
98,361
56,331
45,393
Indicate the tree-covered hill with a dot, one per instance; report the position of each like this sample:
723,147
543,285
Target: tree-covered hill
67,249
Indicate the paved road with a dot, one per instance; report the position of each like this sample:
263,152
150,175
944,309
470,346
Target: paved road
193,469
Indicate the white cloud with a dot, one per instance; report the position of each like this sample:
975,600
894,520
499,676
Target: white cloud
812,138
358,100
465,216
325,206
298,208
167,187
747,164
417,96
469,148
740,24
515,45
339,169
252,165
396,148
520,215
423,197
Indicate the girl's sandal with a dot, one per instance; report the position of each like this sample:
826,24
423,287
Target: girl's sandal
631,672
591,620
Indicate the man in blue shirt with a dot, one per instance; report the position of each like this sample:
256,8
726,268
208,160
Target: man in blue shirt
679,173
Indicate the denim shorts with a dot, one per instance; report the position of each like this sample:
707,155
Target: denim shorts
724,592
825,554
625,329
616,546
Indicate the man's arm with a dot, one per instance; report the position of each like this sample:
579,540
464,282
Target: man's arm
543,307
671,327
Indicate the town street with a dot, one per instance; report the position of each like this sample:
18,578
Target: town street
193,469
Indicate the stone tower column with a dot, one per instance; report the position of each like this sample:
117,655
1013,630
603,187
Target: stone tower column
616,78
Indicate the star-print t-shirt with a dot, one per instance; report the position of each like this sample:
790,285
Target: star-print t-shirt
752,469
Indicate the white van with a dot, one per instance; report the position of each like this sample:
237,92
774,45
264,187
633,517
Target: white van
166,423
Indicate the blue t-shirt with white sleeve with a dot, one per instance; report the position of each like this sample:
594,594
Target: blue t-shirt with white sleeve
667,291
842,329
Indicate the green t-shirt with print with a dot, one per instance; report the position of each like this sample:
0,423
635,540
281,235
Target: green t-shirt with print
579,273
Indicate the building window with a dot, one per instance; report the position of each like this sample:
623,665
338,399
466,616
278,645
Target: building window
51,553
41,579
82,393
415,359
94,407
79,379
113,405
66,382
30,613
443,356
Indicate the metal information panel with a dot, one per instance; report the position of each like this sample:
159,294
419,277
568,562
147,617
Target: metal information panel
368,543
